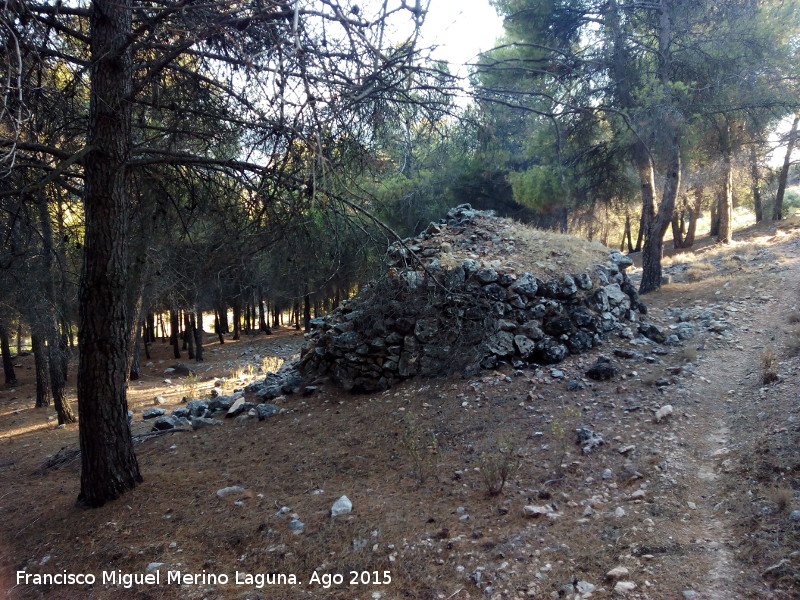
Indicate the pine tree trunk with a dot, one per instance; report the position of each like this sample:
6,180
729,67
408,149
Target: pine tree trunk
262,313
136,370
694,214
247,323
150,330
182,332
223,318
188,334
174,338
756,184
307,311
8,364
659,222
146,338
108,463
714,229
777,209
218,328
725,208
57,359
677,234
42,369
197,328
237,319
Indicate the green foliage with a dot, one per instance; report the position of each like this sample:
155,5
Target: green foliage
791,200
537,187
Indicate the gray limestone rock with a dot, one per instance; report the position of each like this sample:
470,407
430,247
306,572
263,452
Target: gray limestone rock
524,345
343,506
601,371
526,285
152,413
168,422
487,275
501,343
265,411
197,408
181,412
652,332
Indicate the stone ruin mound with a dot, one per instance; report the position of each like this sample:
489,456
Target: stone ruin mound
473,291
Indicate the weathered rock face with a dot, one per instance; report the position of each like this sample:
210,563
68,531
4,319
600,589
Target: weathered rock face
455,299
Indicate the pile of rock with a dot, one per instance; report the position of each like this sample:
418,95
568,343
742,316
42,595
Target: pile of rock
201,413
456,297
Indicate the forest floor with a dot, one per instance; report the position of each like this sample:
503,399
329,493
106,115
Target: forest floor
699,504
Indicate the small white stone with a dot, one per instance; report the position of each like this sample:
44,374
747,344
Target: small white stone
663,412
233,489
342,506
623,587
618,573
536,511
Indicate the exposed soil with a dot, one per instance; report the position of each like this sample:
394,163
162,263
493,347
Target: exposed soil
700,502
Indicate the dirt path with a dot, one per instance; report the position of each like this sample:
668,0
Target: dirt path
719,418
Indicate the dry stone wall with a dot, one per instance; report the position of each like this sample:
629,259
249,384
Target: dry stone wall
435,314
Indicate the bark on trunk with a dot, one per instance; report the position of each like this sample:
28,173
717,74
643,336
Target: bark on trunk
146,338
694,214
677,231
756,184
108,463
654,238
197,328
262,313
174,338
307,312
725,207
8,364
218,328
135,366
150,329
223,319
237,319
777,209
248,323
42,369
188,334
57,358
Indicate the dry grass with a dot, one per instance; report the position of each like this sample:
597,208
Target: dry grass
686,354
546,254
782,498
793,341
769,366
497,466
699,271
538,249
